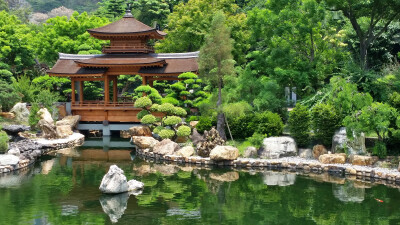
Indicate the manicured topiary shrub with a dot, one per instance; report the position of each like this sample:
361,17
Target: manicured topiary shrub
299,125
3,141
142,113
149,119
324,123
205,123
171,120
171,100
267,123
166,133
380,150
143,102
184,131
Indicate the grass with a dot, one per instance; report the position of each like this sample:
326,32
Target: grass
240,144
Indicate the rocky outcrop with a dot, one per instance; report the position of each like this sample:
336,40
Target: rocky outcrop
21,112
306,153
143,142
166,147
196,137
115,182
186,151
221,153
340,143
140,131
319,150
361,160
333,158
6,160
277,147
250,152
71,121
13,130
64,131
44,114
208,142
46,124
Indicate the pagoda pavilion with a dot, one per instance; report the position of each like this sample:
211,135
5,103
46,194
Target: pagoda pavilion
129,54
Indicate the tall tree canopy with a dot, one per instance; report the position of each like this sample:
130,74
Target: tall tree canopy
215,61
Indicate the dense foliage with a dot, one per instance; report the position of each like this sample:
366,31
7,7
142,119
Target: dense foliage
299,125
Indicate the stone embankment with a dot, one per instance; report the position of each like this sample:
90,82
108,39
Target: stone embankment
292,164
24,152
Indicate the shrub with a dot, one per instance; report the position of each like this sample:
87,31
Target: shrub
267,123
171,100
33,117
324,123
8,96
256,139
192,118
171,120
148,119
154,107
188,75
299,124
184,131
239,126
142,113
25,88
180,111
380,150
166,133
184,93
178,87
3,141
143,102
158,129
146,89
205,123
166,108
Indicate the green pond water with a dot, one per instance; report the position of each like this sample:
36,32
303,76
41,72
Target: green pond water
63,189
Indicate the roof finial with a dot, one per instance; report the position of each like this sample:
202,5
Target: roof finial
128,10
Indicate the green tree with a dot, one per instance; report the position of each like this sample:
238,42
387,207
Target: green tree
3,5
299,124
189,23
150,11
324,123
8,96
216,63
111,9
369,19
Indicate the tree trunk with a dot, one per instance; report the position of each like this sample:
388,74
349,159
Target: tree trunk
363,54
221,116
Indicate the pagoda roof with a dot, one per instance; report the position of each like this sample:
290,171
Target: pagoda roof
150,64
127,26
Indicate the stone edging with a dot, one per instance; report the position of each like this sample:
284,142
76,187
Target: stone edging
75,139
292,164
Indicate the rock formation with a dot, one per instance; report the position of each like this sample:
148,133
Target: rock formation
186,151
21,112
333,158
277,147
142,130
115,182
354,147
250,152
143,142
319,150
208,142
166,147
221,153
46,124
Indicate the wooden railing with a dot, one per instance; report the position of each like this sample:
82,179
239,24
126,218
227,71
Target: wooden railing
101,104
136,48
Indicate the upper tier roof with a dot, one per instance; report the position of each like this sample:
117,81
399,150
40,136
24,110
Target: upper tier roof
127,26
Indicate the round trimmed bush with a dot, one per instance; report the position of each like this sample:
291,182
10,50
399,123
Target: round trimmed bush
188,75
3,141
184,93
324,123
380,150
205,123
166,133
180,111
178,86
146,89
143,102
240,126
171,120
154,107
171,100
189,81
142,113
184,131
166,108
267,123
299,125
148,119
157,129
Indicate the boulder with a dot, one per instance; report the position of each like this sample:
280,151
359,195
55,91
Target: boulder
186,151
142,130
361,160
196,137
134,185
225,177
250,152
143,142
8,160
14,151
13,130
220,153
124,134
64,131
340,143
333,158
319,150
71,121
208,142
7,115
166,147
277,147
114,181
306,153
21,112
193,123
44,114
49,130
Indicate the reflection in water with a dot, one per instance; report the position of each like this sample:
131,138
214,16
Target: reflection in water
349,192
68,194
114,205
272,178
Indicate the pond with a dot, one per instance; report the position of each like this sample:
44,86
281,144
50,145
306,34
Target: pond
63,189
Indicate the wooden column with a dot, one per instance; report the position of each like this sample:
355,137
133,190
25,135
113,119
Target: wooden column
144,80
151,83
81,92
115,89
106,89
72,91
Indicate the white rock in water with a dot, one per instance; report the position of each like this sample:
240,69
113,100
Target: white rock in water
114,205
134,185
8,160
277,147
114,181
